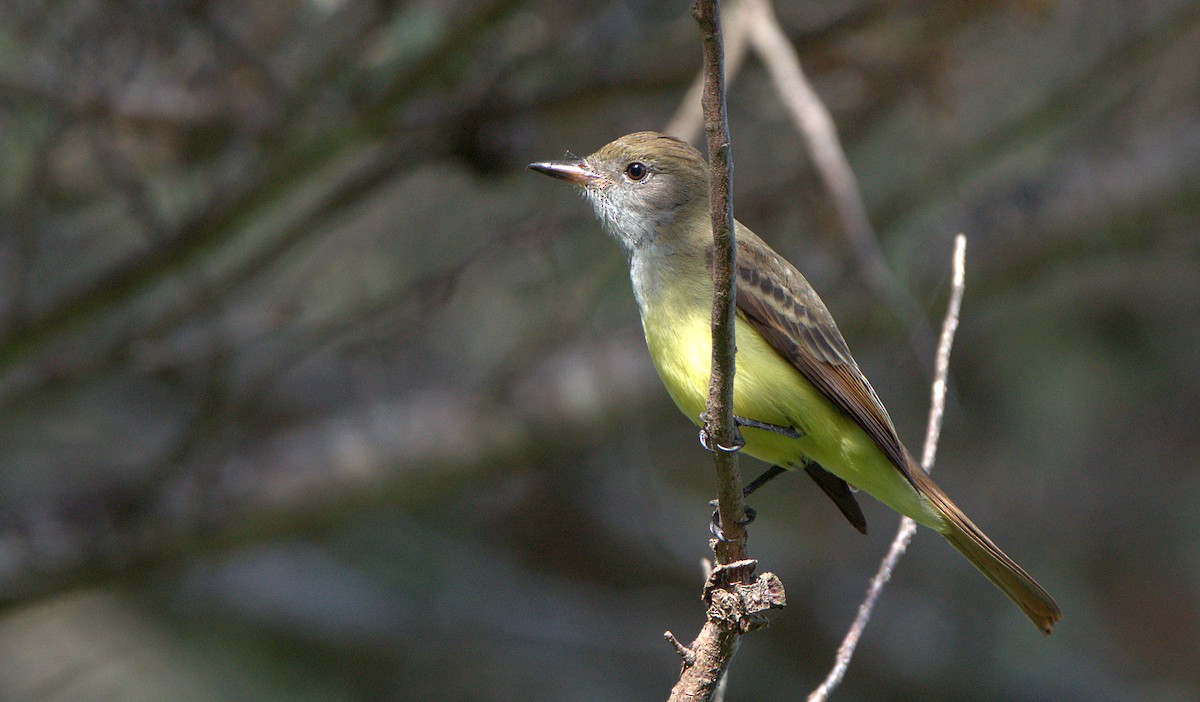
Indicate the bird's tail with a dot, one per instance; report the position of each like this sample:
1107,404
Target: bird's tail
967,539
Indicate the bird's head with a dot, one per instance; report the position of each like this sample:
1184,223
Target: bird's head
640,186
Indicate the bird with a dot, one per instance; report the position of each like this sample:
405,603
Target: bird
800,399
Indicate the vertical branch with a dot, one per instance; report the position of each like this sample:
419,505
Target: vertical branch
907,526
719,424
736,603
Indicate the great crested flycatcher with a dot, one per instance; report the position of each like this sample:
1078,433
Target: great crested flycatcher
798,394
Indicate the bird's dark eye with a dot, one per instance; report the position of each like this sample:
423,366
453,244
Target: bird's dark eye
637,170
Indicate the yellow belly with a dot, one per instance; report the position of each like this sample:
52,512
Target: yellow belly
768,388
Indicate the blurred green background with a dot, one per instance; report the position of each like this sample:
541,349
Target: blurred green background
309,391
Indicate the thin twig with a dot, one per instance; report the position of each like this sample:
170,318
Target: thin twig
937,408
907,526
684,652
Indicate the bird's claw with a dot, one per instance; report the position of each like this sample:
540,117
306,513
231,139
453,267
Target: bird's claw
714,526
707,442
710,445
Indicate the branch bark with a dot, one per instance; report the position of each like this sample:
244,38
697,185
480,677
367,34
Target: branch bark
736,604
719,421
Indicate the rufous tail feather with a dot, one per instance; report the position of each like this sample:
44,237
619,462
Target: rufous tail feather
1013,581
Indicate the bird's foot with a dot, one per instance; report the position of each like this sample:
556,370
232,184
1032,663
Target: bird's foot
714,526
706,440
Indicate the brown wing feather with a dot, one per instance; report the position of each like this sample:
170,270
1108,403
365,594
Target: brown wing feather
781,305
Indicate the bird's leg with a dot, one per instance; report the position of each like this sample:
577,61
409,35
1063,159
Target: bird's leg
766,477
715,526
789,432
706,442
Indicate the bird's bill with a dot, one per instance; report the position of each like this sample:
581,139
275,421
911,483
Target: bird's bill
575,171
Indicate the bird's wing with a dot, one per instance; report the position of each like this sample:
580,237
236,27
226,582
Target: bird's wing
781,305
